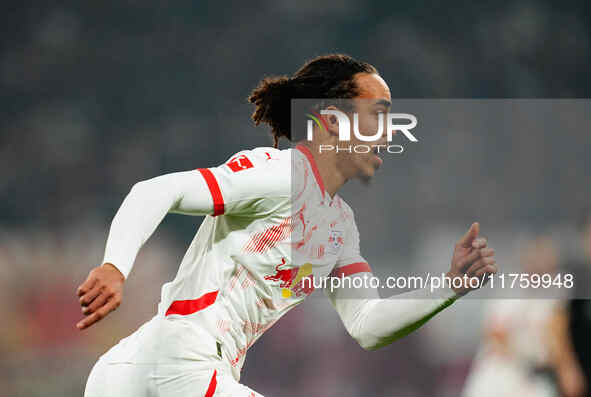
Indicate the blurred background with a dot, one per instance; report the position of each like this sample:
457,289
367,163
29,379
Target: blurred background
97,96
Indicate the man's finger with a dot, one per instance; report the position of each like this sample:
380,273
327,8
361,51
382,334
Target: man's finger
480,242
86,286
471,234
98,302
98,315
479,264
485,252
488,269
468,260
471,271
88,297
88,321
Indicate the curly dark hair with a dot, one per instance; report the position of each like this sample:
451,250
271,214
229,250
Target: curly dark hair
324,77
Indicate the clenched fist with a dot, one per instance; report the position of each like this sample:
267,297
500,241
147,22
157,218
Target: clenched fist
100,294
471,258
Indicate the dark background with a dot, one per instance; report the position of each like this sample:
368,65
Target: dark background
96,97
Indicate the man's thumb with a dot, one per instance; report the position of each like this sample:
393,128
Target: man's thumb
471,234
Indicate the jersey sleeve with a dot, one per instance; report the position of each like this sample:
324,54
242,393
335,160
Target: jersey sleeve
251,182
351,262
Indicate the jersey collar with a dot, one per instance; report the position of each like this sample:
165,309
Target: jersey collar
313,165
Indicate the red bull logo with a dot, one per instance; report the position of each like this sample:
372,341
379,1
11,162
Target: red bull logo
291,279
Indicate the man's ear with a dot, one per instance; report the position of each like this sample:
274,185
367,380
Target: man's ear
331,122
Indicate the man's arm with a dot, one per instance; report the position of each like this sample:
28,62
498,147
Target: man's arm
238,187
143,209
375,322
146,205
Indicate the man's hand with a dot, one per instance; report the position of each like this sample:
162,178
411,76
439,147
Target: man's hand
473,258
100,294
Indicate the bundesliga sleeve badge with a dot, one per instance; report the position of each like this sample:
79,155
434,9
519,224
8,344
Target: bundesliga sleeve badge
239,163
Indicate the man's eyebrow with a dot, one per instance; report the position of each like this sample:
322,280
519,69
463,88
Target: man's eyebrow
384,102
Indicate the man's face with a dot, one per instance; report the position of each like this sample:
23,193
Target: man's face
373,102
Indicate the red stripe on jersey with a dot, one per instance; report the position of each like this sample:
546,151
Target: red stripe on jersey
313,165
213,383
193,305
214,188
267,239
347,270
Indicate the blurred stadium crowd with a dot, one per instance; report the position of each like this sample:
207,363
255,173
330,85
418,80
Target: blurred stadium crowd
97,96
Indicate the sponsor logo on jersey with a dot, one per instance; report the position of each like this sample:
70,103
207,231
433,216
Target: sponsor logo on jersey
291,279
239,163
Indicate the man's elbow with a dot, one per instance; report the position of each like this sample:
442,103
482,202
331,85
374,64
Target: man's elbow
371,342
369,347
365,340
360,332
147,188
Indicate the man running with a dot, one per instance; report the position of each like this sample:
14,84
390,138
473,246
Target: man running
274,221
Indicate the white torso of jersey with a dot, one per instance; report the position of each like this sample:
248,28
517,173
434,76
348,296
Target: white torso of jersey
273,232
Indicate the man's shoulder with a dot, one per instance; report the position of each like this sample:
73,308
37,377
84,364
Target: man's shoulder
262,170
262,158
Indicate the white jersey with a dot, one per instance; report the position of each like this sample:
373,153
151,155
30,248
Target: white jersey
273,229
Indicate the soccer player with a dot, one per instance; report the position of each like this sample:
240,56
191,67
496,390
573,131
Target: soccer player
274,220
